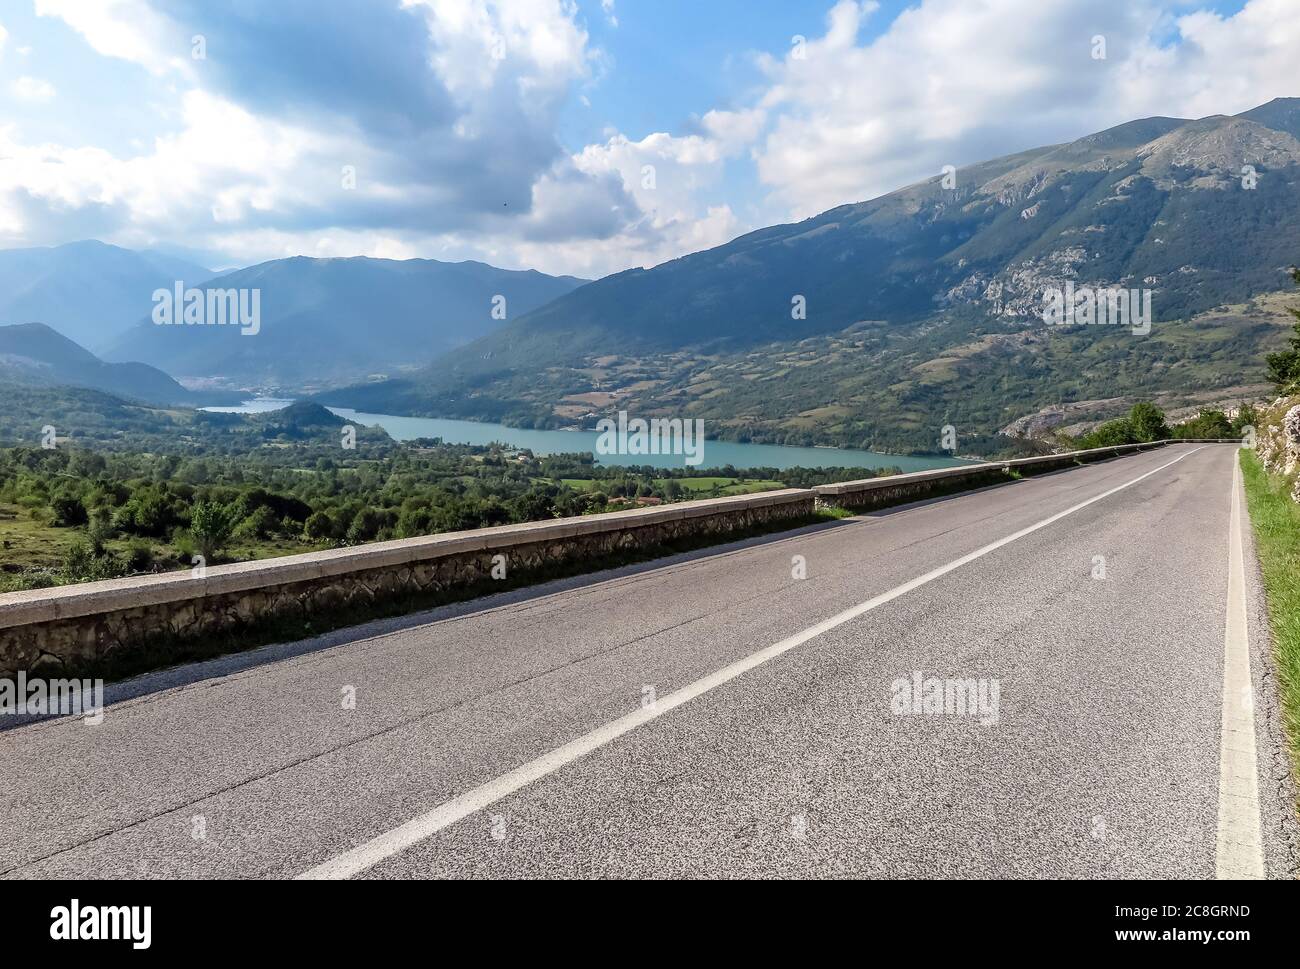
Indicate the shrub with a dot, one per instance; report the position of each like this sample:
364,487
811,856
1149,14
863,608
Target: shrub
146,514
1148,422
183,542
1247,416
1110,434
81,564
100,531
414,522
1208,423
261,524
32,579
139,556
319,527
69,512
365,526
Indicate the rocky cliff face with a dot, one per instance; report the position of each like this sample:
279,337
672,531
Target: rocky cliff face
1278,440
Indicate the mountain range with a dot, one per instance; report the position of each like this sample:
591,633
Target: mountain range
325,320
34,355
89,291
923,303
870,325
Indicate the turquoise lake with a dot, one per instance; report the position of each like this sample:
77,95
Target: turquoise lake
716,453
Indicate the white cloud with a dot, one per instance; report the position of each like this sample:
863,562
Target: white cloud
537,41
236,181
669,177
27,88
639,244
952,82
223,165
608,7
127,29
4,35
734,130
1223,65
229,171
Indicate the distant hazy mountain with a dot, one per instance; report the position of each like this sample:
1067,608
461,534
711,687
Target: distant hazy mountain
90,292
1161,203
34,355
327,319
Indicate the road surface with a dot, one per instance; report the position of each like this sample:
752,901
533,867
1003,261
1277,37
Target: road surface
715,715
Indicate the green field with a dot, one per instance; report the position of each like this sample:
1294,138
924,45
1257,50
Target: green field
1277,539
29,543
725,486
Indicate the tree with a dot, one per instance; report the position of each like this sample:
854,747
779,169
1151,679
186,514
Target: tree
532,506
1246,417
1148,422
1284,366
211,525
87,464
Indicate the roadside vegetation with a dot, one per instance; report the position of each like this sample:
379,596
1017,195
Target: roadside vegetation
1146,422
1275,514
1277,541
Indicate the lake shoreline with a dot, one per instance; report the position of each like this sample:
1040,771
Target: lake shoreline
718,453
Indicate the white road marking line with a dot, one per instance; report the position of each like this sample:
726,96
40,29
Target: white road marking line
1239,851
426,825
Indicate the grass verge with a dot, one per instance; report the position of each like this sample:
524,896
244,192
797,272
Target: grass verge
1277,543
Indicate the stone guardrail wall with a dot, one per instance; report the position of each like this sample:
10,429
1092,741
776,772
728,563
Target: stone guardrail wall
894,489
89,621
85,622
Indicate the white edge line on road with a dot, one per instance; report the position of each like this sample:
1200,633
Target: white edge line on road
418,829
1239,851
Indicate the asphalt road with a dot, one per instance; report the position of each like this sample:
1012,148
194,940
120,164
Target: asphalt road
712,715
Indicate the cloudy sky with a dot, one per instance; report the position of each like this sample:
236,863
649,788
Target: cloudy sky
573,137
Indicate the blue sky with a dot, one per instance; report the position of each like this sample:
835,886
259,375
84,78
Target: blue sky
581,137
694,54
